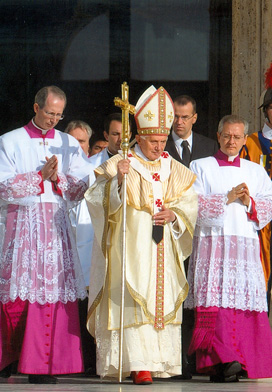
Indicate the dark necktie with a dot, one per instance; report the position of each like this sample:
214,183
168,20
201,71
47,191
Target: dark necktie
157,233
110,154
186,154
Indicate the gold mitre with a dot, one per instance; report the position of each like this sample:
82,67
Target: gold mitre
154,112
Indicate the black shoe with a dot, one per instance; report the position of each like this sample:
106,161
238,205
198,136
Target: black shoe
231,368
186,374
221,378
42,379
227,372
6,372
91,372
183,376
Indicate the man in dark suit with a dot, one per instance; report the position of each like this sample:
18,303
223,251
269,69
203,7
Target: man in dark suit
183,144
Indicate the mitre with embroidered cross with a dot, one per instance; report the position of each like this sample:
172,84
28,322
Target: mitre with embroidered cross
154,112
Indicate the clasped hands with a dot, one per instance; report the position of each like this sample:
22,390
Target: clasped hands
165,215
50,169
239,192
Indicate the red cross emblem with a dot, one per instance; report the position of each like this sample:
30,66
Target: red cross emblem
158,203
156,177
165,154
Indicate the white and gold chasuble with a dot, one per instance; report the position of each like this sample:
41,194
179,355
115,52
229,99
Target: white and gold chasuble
155,280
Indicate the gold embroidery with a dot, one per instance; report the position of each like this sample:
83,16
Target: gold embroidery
95,303
167,318
185,219
162,131
170,116
106,216
159,311
153,165
149,115
162,110
103,245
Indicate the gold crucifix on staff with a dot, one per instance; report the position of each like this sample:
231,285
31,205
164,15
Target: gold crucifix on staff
127,109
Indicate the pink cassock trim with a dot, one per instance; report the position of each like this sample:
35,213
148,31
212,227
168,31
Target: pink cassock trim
44,338
242,336
222,159
253,214
35,133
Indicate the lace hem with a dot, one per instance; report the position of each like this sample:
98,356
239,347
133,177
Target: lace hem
38,259
143,346
35,296
22,185
226,271
264,210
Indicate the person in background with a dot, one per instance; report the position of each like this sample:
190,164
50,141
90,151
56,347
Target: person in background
42,172
83,231
113,135
82,132
227,290
185,145
258,149
97,144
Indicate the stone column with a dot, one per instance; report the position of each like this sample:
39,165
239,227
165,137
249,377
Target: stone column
251,56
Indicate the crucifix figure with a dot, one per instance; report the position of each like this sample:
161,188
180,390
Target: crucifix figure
127,109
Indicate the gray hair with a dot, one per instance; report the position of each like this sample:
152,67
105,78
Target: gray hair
79,124
232,119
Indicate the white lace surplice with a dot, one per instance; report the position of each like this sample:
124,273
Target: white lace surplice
39,260
225,268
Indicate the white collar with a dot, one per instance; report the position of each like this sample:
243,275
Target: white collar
178,140
267,132
44,131
232,157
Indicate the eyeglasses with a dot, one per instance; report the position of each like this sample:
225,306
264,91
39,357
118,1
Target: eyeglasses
52,115
185,118
235,137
